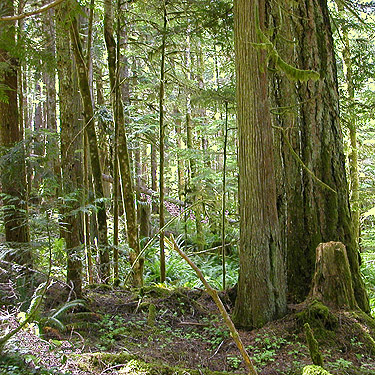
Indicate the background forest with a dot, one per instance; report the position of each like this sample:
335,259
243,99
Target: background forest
122,138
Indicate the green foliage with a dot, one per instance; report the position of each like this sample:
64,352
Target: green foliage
179,273
110,330
266,348
234,362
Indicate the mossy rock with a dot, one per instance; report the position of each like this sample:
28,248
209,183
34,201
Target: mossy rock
314,370
154,291
318,315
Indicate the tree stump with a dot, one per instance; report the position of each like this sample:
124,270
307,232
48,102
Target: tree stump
332,281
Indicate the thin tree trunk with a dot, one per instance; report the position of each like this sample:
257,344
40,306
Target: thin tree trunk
162,144
104,267
70,159
123,154
180,161
192,172
154,179
353,155
223,200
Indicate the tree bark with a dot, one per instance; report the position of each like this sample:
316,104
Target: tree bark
262,285
13,172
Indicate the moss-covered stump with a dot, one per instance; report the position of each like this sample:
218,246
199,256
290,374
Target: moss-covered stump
126,363
314,370
332,281
317,315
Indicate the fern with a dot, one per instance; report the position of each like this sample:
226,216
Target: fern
67,306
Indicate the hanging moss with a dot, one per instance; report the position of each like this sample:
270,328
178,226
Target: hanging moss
293,73
314,370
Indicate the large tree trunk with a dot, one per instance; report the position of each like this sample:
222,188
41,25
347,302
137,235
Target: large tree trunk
310,212
70,156
261,289
13,174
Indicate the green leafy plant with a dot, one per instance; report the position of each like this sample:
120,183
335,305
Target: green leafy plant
55,320
234,362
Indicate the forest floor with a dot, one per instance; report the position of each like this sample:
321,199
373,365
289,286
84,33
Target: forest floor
119,332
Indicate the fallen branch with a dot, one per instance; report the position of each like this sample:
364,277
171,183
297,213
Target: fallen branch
213,293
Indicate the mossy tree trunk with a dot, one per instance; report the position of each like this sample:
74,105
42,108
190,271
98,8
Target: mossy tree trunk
71,167
88,112
261,288
122,145
309,114
13,173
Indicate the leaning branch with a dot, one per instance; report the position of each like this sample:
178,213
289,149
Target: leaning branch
213,293
31,13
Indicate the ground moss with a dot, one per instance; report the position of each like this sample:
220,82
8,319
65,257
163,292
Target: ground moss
89,361
314,370
135,366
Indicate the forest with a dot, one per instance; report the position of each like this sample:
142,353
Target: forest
187,187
